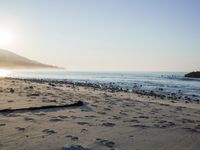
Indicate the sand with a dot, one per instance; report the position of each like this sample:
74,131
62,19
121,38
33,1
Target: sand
106,121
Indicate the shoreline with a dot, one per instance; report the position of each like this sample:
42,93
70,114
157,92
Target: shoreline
107,120
110,87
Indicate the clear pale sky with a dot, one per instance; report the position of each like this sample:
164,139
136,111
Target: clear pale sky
105,35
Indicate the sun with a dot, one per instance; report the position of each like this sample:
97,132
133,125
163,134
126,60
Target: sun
6,38
4,72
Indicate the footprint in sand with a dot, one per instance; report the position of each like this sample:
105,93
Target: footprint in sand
101,112
140,126
73,138
40,114
144,117
83,123
116,117
164,124
184,120
84,130
63,117
55,119
74,147
93,105
28,119
108,124
132,120
12,115
105,142
20,129
196,129
123,113
90,116
179,108
74,117
107,109
49,131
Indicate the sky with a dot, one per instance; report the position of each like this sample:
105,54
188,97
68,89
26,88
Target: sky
104,35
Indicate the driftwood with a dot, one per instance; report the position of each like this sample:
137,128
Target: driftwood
10,110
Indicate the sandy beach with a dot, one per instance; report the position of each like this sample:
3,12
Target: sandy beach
106,121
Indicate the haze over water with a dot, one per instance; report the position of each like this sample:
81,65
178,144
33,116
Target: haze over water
102,35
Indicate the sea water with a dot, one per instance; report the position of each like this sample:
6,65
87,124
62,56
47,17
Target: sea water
162,83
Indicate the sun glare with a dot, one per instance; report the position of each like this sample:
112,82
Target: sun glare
4,72
5,38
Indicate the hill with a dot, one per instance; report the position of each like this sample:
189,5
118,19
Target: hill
13,61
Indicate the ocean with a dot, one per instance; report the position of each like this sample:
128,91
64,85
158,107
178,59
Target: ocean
168,84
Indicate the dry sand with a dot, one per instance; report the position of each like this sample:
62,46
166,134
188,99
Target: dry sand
107,121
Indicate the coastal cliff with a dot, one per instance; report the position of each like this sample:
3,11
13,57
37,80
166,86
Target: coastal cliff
13,61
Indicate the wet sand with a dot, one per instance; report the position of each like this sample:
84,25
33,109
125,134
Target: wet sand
107,120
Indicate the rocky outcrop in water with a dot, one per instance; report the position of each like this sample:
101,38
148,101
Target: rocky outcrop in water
195,74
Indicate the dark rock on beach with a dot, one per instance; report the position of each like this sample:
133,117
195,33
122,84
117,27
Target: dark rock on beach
12,90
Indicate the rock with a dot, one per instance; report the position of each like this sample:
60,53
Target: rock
2,124
152,93
10,101
195,74
74,147
12,90
51,84
30,87
186,102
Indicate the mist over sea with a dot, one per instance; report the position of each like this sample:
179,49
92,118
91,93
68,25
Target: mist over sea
169,84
